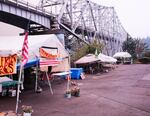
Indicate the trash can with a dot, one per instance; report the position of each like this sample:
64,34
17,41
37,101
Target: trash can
76,72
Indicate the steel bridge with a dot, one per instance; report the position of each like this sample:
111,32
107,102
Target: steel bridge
81,21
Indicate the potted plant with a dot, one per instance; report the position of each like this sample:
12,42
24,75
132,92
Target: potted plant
75,91
77,94
9,113
27,110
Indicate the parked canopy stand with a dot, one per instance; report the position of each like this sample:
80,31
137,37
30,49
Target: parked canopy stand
106,59
94,62
123,57
34,44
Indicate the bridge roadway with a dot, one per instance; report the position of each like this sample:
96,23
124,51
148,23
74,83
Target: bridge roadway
18,13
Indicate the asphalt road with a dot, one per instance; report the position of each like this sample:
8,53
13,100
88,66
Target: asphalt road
124,91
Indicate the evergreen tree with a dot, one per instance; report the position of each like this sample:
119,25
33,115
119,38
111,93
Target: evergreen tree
130,46
134,46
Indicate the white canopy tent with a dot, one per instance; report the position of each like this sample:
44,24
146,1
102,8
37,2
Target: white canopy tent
92,58
107,59
13,44
89,58
96,63
122,55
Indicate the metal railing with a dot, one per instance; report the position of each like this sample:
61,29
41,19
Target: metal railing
29,6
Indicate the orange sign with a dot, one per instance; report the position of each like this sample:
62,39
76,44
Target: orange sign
45,54
8,65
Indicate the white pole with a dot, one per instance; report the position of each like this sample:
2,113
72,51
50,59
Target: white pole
49,83
18,89
36,77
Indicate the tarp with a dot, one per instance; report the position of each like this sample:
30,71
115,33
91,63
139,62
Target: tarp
5,53
122,55
107,59
13,44
62,67
87,59
30,63
92,58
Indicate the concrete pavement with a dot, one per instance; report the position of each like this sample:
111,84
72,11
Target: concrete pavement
124,91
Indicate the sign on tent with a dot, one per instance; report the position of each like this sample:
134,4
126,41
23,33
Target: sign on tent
8,65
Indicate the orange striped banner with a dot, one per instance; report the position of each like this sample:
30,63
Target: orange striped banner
45,54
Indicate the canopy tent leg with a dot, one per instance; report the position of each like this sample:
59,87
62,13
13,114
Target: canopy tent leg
18,89
49,83
22,79
36,78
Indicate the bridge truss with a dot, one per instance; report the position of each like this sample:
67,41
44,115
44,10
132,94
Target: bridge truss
82,20
87,21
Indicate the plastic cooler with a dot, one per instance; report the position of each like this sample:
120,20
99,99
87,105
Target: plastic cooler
76,72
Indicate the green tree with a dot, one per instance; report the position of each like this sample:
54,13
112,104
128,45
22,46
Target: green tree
140,47
93,47
134,46
87,49
130,46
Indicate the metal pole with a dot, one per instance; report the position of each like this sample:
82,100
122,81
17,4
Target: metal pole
36,77
49,83
71,18
18,89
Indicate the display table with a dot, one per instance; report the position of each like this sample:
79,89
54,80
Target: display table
6,82
61,73
9,83
9,88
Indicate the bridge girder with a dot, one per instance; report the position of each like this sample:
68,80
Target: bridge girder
89,20
84,19
19,13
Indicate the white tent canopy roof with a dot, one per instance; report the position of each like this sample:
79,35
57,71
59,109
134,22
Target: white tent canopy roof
13,44
92,58
122,55
107,59
87,59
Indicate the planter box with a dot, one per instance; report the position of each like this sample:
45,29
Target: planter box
26,114
68,95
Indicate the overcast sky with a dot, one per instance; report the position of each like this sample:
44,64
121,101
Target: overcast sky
133,14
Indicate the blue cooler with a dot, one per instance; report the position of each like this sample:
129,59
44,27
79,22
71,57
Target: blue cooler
76,72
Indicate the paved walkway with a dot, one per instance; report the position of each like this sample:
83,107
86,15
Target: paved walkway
124,91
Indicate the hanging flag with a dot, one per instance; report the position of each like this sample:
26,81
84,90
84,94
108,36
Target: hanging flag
49,62
25,50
